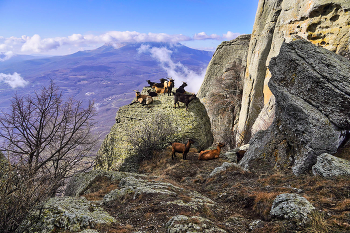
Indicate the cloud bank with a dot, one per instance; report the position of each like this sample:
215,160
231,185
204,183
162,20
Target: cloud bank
35,44
177,71
14,80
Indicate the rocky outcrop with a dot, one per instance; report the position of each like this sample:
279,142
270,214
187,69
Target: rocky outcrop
136,120
325,23
292,207
329,166
312,90
66,213
221,90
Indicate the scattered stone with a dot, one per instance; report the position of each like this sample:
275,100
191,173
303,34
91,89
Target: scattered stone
329,166
222,168
292,207
80,183
183,224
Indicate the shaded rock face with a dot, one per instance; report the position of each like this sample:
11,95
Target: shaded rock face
312,90
117,152
221,90
325,23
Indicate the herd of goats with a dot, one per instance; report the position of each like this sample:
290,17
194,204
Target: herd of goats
165,87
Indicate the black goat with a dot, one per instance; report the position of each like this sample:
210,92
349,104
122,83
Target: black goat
184,99
152,93
181,88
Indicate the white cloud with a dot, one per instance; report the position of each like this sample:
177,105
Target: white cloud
177,71
204,36
14,80
230,35
5,55
36,44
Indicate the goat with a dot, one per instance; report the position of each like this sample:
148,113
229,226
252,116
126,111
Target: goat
186,99
211,154
181,148
143,99
181,88
168,85
160,87
150,83
152,93
240,155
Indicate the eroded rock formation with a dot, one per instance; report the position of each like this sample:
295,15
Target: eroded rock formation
312,90
325,23
221,91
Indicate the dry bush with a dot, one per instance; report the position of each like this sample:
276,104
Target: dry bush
45,140
151,135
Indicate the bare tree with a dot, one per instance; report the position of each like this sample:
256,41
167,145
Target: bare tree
45,139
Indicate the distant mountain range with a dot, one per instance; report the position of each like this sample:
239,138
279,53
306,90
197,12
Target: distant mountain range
108,75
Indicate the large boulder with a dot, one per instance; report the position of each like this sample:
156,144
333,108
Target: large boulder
133,120
306,81
329,166
325,23
221,90
292,207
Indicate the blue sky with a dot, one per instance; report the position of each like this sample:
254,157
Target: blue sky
57,27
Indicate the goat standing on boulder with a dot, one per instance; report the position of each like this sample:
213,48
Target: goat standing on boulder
181,148
186,99
211,154
168,85
181,88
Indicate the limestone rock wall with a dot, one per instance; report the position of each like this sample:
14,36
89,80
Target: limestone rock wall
325,23
221,91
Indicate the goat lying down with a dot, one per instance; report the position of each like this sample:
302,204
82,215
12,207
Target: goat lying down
211,154
181,148
143,99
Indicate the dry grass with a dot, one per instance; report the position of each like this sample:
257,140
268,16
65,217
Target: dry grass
263,203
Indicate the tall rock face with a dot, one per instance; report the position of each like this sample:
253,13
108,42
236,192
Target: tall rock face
221,91
325,23
136,123
311,86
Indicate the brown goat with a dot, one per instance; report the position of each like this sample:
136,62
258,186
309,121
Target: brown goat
143,99
211,154
181,148
186,99
168,86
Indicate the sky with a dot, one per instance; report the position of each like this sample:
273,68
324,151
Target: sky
60,27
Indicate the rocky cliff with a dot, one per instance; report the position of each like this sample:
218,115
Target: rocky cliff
136,123
311,86
325,23
221,90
